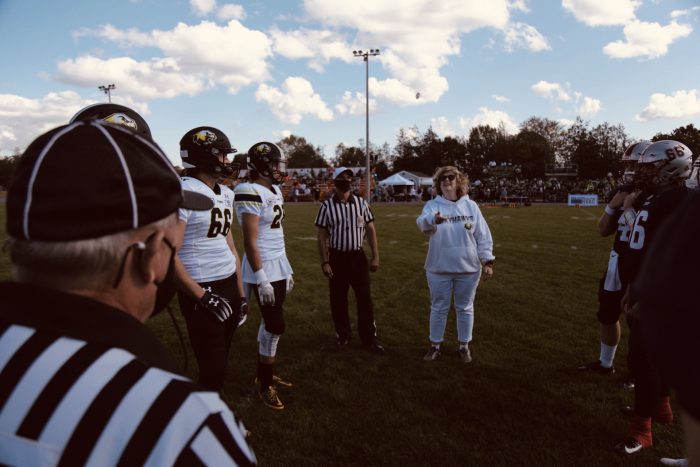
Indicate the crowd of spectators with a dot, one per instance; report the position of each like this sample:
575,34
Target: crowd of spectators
316,185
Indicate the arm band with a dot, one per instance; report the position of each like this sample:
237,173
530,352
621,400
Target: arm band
610,211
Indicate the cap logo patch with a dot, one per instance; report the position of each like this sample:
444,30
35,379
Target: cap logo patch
204,137
122,119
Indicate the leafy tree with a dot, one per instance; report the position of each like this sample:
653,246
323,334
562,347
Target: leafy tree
349,156
688,135
551,130
300,153
532,152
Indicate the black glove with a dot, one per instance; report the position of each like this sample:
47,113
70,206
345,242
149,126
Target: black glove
243,312
216,305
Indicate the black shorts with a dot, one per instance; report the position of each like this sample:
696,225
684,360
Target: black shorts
609,304
273,315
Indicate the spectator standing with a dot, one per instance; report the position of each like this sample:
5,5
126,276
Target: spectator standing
460,247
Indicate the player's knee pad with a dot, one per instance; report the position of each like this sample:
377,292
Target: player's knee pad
268,344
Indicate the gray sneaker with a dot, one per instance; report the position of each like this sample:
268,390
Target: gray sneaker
465,355
432,354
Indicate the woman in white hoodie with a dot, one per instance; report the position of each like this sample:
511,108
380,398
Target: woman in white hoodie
460,246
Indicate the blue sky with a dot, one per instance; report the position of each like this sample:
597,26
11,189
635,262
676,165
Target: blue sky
261,70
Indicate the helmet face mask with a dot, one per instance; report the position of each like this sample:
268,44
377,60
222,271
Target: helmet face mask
662,164
207,149
630,158
267,160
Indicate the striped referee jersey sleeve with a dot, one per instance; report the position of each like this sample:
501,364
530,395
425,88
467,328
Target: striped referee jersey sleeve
321,217
68,402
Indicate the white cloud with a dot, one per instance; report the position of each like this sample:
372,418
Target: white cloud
524,36
679,13
602,12
680,104
194,55
650,40
498,98
355,104
442,127
295,99
418,37
589,107
24,119
552,91
566,121
202,7
489,117
230,11
556,92
141,80
318,46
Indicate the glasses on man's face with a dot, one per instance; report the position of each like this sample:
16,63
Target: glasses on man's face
449,177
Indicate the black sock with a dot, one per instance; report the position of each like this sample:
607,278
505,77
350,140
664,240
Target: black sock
265,374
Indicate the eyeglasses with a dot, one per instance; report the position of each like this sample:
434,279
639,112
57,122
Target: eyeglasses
449,177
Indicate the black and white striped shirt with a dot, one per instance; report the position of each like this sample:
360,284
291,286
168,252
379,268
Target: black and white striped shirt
345,221
84,384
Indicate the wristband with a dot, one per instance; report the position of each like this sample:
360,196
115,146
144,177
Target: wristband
610,211
261,277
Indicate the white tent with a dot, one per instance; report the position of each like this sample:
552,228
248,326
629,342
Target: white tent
395,180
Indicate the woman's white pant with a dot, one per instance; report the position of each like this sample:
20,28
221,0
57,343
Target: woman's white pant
442,288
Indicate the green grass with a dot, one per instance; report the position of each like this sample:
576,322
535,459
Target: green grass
520,402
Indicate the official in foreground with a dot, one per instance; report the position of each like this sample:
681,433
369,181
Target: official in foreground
91,216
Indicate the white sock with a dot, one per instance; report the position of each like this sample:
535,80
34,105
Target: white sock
607,355
435,345
463,345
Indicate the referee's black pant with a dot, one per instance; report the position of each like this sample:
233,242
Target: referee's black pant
350,269
210,338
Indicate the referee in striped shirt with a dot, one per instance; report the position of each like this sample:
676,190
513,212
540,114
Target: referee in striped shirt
91,215
343,222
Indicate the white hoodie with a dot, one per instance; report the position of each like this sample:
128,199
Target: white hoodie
462,243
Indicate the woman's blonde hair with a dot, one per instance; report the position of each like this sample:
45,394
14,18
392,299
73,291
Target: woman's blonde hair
462,180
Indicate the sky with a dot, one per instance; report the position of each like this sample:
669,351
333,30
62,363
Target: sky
263,70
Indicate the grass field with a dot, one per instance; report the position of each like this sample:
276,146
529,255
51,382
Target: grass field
521,402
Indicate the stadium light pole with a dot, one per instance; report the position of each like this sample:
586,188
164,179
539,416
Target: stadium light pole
107,89
365,54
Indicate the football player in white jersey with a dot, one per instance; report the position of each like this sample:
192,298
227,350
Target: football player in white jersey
266,270
207,269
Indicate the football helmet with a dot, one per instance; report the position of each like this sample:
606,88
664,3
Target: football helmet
202,148
630,158
116,114
268,160
663,163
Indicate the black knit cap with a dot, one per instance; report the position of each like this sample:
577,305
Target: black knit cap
89,179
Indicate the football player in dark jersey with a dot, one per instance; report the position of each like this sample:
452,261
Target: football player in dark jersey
660,175
611,288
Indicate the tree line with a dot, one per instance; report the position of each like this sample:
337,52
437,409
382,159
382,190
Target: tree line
540,142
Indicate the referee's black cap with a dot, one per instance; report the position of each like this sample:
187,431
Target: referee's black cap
89,179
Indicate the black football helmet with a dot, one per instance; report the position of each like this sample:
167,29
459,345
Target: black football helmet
268,160
201,147
116,114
